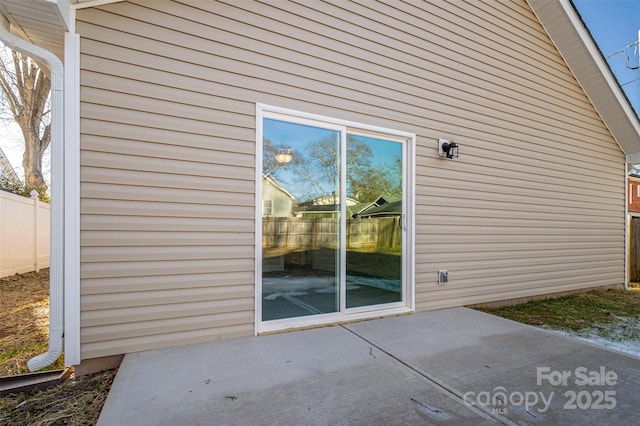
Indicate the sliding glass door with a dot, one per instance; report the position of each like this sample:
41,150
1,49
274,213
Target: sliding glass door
333,219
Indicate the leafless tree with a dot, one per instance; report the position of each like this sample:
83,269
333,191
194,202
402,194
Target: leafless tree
25,87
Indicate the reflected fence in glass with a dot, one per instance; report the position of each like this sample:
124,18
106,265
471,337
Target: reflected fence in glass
301,262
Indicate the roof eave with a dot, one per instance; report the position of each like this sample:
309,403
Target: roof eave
44,22
576,46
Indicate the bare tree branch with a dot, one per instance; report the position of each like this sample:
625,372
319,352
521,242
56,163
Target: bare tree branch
25,89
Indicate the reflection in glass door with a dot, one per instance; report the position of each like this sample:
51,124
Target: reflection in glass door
301,220
375,222
332,220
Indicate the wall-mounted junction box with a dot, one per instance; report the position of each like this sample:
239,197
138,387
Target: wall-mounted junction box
441,152
443,277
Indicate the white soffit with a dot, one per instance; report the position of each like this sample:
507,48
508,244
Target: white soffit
581,54
40,22
44,22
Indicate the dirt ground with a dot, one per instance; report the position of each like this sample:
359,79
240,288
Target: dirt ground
74,402
24,316
24,320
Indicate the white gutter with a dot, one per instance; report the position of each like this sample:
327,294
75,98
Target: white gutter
56,287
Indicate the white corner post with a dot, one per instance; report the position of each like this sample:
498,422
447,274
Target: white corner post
72,199
627,226
56,301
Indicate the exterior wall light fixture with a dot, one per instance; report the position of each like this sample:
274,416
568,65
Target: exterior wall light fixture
448,149
284,155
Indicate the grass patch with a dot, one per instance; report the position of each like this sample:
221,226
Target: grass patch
590,310
24,315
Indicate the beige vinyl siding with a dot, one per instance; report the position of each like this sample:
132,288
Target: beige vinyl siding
534,204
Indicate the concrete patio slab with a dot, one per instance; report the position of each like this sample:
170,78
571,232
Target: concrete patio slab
454,366
521,373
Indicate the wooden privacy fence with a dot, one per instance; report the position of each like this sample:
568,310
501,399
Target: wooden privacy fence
295,233
24,234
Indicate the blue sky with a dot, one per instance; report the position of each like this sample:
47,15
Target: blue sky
614,24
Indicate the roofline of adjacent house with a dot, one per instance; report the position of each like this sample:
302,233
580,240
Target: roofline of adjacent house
7,165
592,72
277,184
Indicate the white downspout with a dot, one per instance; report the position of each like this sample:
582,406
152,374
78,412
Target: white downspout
56,286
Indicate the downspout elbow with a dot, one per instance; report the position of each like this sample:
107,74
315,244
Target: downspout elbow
53,352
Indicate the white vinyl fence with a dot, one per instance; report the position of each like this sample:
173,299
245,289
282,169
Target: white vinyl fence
24,234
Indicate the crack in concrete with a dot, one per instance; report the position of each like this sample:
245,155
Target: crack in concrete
483,412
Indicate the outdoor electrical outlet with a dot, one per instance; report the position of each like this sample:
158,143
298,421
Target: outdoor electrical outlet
443,277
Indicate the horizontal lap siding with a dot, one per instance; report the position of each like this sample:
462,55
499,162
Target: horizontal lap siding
533,205
167,200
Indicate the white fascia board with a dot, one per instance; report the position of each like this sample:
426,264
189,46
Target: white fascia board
92,3
604,68
64,12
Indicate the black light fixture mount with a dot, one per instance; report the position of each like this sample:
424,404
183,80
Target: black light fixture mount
447,148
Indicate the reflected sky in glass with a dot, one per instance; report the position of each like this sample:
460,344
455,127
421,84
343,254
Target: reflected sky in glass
298,137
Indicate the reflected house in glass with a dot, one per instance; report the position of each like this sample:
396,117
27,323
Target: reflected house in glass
393,209
383,206
276,200
324,206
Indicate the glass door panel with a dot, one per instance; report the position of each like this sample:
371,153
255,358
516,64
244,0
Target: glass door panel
300,220
375,220
333,220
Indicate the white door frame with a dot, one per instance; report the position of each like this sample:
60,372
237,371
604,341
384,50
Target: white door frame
408,277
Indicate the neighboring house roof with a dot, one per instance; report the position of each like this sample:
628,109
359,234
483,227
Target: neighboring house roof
356,209
6,168
387,198
44,22
314,209
321,208
328,200
387,209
